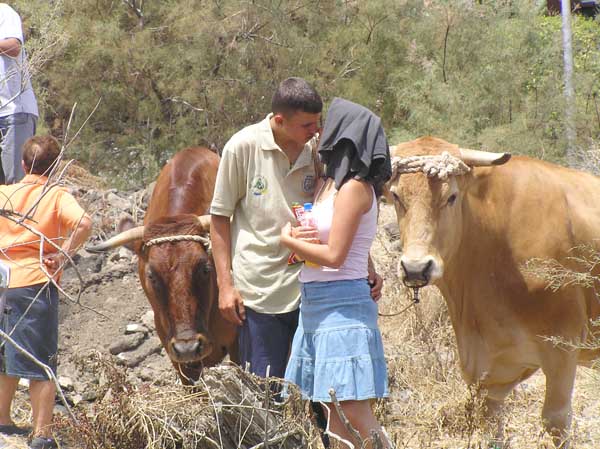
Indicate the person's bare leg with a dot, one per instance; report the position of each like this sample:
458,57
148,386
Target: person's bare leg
42,394
337,427
8,387
361,417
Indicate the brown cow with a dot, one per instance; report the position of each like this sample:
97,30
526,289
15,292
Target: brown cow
175,268
470,231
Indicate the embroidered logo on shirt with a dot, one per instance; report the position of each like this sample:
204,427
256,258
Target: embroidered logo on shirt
308,185
259,185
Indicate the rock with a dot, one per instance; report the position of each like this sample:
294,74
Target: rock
134,358
59,409
127,343
392,231
116,202
89,395
76,398
148,319
122,255
66,383
134,328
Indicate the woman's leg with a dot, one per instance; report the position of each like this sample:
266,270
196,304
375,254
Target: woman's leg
361,417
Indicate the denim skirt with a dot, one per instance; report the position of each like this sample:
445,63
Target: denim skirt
338,344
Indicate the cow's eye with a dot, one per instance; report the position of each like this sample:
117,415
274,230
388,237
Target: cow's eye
451,199
204,268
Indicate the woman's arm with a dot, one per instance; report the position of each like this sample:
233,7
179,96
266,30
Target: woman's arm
352,201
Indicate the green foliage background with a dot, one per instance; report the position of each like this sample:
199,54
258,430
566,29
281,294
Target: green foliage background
484,74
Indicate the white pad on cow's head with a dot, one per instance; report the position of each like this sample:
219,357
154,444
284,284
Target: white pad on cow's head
441,166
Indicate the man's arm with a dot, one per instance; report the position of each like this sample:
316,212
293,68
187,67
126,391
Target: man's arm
10,47
231,303
375,281
78,237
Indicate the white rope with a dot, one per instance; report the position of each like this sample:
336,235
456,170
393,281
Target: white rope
179,238
441,166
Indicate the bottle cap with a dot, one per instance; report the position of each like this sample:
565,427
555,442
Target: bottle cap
307,206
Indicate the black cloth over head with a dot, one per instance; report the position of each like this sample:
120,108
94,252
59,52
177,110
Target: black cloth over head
353,145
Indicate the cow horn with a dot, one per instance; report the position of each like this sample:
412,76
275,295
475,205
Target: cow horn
204,222
123,238
476,158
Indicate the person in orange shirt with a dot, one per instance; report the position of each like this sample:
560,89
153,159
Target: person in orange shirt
30,309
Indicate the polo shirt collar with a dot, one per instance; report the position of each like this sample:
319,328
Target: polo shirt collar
266,141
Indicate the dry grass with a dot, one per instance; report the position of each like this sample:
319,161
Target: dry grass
228,408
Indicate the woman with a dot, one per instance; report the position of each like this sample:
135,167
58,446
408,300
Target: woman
337,344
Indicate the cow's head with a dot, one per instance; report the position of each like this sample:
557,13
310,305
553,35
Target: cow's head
178,277
427,189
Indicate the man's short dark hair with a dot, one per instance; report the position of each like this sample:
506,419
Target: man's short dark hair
295,94
40,153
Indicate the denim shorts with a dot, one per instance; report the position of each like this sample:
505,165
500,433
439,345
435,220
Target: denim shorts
338,344
35,330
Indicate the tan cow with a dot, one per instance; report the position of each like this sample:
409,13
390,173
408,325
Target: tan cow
471,234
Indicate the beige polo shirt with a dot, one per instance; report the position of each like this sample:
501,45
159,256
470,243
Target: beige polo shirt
256,187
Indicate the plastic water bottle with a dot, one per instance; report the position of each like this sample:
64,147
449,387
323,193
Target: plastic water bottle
308,220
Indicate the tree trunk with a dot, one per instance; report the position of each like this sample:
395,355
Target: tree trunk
570,132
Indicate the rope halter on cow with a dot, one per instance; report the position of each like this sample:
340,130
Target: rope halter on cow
441,166
180,238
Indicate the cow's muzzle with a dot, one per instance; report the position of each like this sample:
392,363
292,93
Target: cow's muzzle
185,350
417,273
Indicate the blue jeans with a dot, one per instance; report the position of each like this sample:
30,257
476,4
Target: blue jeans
15,129
265,340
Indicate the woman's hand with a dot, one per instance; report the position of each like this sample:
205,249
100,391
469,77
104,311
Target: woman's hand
307,233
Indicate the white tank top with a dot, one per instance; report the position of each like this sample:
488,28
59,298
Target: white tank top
356,263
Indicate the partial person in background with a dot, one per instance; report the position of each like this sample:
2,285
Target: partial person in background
30,314
338,344
18,106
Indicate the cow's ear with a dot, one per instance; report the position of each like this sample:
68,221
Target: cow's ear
386,194
125,223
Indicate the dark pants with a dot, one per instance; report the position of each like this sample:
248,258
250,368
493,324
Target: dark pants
265,340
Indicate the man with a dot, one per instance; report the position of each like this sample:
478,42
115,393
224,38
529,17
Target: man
18,107
30,314
265,168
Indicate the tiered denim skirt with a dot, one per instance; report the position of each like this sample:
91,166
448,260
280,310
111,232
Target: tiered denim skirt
338,344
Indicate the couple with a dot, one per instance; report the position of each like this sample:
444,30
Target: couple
264,169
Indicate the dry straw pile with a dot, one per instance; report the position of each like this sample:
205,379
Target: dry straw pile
228,408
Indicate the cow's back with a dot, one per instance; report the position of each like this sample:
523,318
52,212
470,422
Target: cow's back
523,214
185,185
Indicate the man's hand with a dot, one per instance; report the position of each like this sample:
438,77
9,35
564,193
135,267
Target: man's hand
376,283
54,262
231,306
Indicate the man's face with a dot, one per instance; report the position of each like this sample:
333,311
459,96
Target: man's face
300,126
